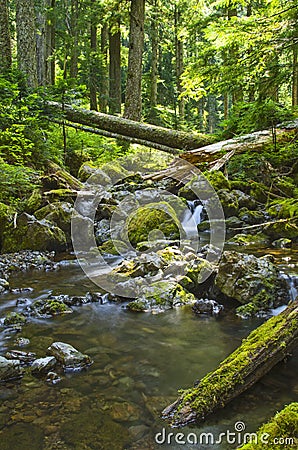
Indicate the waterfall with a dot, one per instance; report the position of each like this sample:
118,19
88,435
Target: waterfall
192,218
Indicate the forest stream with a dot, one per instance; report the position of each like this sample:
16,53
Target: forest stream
140,361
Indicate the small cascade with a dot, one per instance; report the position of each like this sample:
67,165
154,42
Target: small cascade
292,282
192,218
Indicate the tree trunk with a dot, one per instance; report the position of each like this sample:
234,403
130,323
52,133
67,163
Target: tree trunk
295,76
74,55
259,352
154,56
5,42
50,42
133,92
26,40
93,59
115,70
125,127
41,43
104,78
179,64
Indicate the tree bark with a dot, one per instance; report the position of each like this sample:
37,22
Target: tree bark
115,70
74,55
295,76
93,52
104,78
5,41
41,43
26,40
125,127
258,354
179,50
154,56
133,92
50,42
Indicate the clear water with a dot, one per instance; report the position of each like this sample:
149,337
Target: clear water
140,360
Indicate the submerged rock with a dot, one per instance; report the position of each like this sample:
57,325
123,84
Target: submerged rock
68,356
23,357
43,365
10,370
14,318
249,279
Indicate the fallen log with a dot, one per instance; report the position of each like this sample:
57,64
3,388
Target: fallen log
259,352
124,127
108,134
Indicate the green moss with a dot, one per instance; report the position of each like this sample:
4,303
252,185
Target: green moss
112,247
34,202
250,240
58,213
49,307
217,180
137,305
61,195
283,428
216,387
154,216
14,318
115,171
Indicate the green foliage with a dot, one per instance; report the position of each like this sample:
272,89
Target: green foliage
16,182
247,117
284,208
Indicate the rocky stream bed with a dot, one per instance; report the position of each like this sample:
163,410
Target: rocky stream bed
87,365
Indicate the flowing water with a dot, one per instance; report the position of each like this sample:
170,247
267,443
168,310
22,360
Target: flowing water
140,360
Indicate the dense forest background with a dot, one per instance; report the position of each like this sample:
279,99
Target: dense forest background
226,67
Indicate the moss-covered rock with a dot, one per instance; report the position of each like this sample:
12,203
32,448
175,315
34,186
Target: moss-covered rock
229,202
217,180
93,174
115,171
250,240
162,295
32,234
6,215
196,188
251,280
58,213
145,264
59,178
60,195
244,200
279,433
156,216
14,318
251,217
49,307
233,222
113,247
34,202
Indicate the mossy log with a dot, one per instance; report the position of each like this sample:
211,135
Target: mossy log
259,352
150,133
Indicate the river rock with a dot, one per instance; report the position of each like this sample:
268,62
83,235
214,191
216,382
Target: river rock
14,318
251,280
22,341
208,307
68,356
10,370
257,240
160,296
58,213
22,357
32,234
43,365
4,285
279,243
48,307
93,175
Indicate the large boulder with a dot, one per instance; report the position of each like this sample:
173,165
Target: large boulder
251,280
68,356
94,175
156,220
33,234
10,370
59,214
